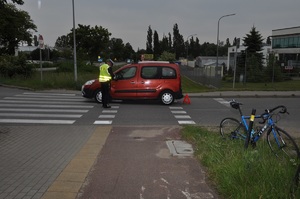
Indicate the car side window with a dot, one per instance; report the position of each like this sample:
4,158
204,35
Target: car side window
150,72
168,73
126,73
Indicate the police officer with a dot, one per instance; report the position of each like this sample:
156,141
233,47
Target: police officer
105,76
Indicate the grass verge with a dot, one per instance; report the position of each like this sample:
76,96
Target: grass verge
66,80
239,173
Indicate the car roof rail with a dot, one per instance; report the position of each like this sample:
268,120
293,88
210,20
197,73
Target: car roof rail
149,61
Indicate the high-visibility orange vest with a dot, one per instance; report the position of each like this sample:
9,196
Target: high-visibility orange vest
104,75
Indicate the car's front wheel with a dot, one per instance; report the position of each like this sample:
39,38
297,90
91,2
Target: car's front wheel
167,97
98,96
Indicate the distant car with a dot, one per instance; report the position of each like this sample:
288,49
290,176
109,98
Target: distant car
142,80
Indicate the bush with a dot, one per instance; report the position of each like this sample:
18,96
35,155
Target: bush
11,66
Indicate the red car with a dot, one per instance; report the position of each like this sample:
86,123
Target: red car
142,80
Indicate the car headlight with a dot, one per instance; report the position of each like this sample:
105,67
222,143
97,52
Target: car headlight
90,82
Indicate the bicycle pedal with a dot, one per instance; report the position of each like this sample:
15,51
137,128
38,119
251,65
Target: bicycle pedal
253,144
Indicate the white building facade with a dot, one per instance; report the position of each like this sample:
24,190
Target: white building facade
286,46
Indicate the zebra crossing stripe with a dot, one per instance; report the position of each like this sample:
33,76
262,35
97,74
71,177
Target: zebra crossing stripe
27,121
182,116
106,116
103,122
186,122
40,115
178,112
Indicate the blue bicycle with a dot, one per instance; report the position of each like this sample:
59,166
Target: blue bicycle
279,141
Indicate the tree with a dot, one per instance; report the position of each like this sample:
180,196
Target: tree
15,27
227,42
63,42
164,44
254,58
149,48
156,46
273,70
167,56
91,41
128,52
178,42
4,2
116,48
269,42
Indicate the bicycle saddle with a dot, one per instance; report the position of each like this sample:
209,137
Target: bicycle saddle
234,104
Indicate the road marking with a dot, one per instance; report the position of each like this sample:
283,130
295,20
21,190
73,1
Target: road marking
103,122
186,122
48,99
109,111
26,121
44,110
45,106
182,116
222,101
106,116
32,108
39,115
178,112
38,102
51,94
175,107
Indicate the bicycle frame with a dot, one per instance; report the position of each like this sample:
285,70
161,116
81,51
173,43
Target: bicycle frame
244,123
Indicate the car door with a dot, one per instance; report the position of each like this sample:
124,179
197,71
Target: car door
125,83
149,81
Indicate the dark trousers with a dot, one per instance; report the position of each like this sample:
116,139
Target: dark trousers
105,87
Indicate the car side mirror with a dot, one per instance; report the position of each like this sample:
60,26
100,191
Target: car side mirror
117,77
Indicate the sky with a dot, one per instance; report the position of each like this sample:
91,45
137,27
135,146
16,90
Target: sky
130,19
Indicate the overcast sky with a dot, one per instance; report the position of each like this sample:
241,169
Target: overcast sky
130,19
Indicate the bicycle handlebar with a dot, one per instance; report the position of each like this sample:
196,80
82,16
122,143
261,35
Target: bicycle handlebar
268,112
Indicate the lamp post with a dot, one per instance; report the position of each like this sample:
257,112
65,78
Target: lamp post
217,62
74,40
187,47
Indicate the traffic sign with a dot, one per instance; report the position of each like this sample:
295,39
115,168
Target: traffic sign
41,42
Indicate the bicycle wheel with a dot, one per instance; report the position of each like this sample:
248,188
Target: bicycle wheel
231,128
283,145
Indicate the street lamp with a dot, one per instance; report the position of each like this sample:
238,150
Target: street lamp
74,40
217,62
187,47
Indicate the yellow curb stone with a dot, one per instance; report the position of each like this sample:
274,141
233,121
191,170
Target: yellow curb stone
65,186
71,176
80,165
69,182
59,195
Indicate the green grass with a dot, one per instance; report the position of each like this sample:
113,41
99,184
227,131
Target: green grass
66,80
290,85
51,80
239,173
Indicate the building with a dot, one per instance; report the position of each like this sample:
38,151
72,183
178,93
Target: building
25,49
286,46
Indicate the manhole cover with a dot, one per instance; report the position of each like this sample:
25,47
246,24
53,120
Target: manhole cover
180,148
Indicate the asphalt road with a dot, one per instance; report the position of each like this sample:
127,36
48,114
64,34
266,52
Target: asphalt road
18,106
56,144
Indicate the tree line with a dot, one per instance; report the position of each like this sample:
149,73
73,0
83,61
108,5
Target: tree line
17,27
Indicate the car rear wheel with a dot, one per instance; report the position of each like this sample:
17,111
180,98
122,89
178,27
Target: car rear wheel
167,97
98,96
